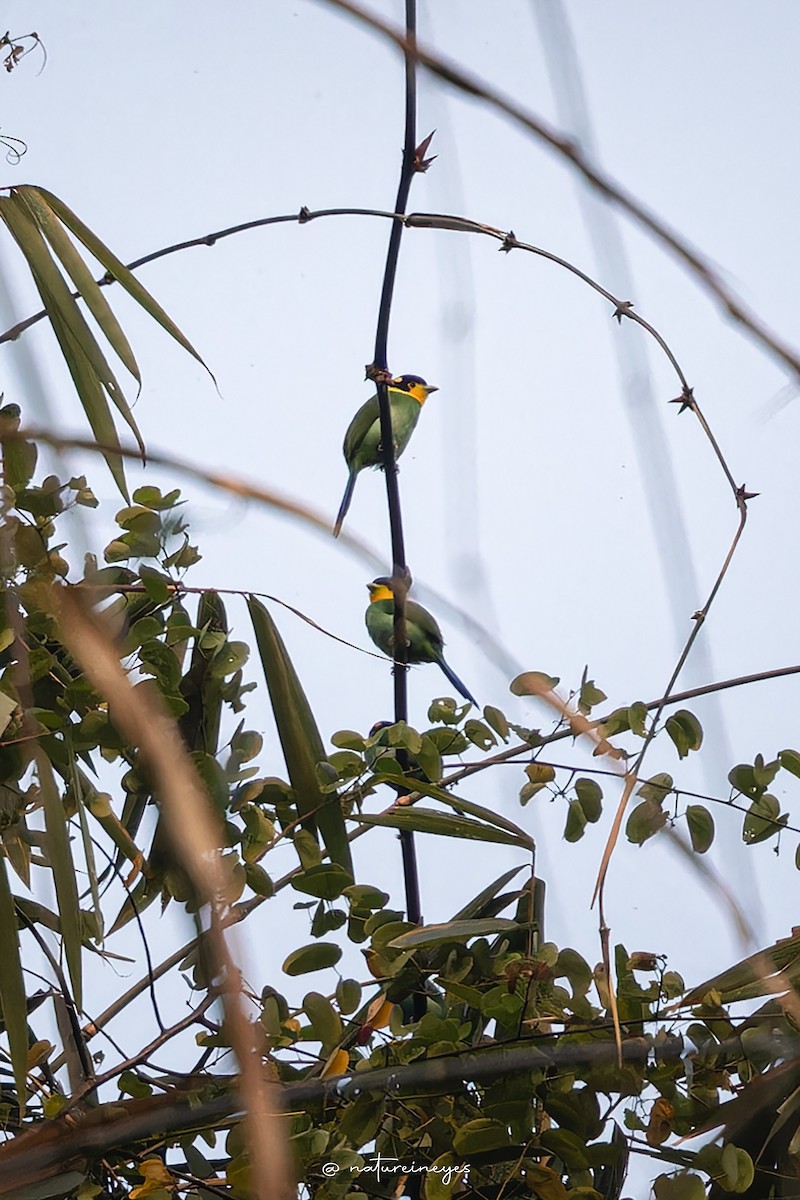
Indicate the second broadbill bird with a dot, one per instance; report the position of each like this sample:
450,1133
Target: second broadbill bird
424,639
362,442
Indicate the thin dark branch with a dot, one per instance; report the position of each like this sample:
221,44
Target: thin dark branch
380,372
702,269
142,1055
86,1064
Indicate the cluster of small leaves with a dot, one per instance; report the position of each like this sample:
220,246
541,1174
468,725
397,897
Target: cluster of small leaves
474,982
682,726
763,819
486,981
151,526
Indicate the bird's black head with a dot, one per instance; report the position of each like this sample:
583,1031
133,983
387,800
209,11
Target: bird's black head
415,385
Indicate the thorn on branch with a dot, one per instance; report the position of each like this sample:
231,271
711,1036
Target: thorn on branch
509,243
623,309
742,495
377,374
686,400
421,163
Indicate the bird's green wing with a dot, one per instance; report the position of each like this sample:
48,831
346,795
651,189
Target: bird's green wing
419,617
359,427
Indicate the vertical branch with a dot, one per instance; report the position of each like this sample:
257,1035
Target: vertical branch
380,373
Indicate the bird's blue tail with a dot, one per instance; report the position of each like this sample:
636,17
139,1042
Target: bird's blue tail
343,507
456,682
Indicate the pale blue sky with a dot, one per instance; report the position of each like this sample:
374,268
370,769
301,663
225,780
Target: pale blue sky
162,122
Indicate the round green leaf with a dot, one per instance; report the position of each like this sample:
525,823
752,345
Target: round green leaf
327,882
685,730
590,797
475,1137
701,827
315,957
348,995
645,821
576,822
761,821
326,1022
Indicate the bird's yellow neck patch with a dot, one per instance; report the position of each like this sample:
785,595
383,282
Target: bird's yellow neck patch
417,392
379,591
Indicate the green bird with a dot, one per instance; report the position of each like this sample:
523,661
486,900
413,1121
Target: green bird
424,639
362,442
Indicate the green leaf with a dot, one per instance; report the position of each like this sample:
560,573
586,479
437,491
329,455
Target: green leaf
479,811
63,868
348,739
300,738
645,821
315,957
762,820
478,1136
685,730
656,788
12,987
742,778
119,271
701,827
326,881
445,1177
348,995
790,761
425,820
326,1021
570,1148
679,1187
476,907
80,275
452,931
590,798
429,759
738,1167
496,720
90,372
479,734
7,707
576,822
590,695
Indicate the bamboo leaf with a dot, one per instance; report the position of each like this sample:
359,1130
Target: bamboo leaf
475,907
434,792
119,271
12,987
63,868
299,737
77,343
80,275
425,820
452,931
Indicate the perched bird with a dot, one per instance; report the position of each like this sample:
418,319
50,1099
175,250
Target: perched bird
362,442
424,639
